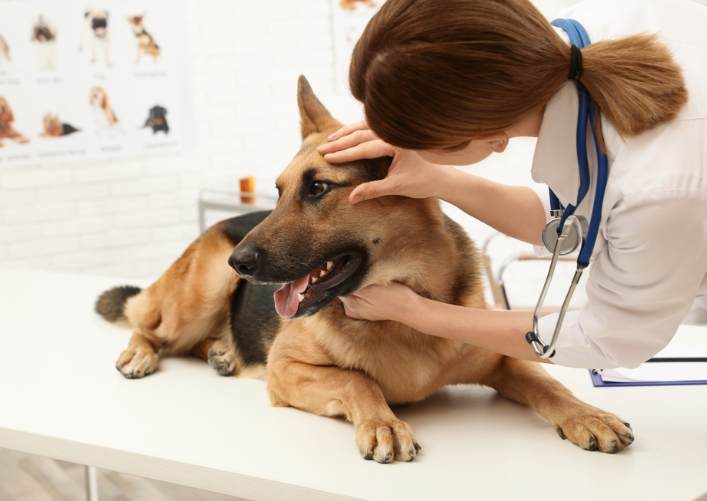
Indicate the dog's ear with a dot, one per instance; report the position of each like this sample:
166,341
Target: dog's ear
314,116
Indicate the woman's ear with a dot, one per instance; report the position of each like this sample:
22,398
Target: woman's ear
497,142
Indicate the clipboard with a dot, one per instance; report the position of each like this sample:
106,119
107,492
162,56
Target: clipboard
598,382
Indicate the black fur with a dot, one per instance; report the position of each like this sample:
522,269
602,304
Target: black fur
157,120
254,321
67,129
111,304
236,228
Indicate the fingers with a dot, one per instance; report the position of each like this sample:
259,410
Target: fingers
348,129
350,307
369,149
374,189
348,141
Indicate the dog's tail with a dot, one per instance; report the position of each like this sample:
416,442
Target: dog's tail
111,304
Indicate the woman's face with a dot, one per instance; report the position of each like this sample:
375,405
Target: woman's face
475,151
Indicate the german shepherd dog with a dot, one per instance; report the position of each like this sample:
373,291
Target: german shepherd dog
313,248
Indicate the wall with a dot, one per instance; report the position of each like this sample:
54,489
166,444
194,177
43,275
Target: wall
131,218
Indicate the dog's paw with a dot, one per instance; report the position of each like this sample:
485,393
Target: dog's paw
593,429
134,364
386,440
223,361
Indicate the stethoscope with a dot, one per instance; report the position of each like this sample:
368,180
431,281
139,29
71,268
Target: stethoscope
563,234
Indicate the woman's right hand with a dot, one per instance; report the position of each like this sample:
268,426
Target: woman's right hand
409,175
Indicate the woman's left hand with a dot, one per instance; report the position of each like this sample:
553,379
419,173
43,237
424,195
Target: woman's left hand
381,302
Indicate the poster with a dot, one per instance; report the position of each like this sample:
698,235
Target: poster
350,17
88,80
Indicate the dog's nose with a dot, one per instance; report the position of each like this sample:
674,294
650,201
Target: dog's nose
246,259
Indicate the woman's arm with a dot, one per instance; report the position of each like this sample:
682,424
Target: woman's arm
496,330
515,211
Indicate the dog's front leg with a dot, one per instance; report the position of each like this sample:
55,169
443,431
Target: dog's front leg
140,359
331,391
584,425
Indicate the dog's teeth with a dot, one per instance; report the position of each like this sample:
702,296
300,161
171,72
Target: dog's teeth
300,297
329,265
314,280
322,273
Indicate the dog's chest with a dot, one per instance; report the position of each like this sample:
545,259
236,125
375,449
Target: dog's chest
406,364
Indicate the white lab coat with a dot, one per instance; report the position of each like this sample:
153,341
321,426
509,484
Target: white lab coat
650,258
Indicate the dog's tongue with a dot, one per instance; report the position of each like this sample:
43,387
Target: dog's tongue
286,301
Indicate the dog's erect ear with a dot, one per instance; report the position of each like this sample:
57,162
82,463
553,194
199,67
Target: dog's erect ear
315,117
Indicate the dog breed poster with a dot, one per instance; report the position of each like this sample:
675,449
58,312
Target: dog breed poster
89,80
349,18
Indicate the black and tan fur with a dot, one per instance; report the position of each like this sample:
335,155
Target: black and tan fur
320,360
145,43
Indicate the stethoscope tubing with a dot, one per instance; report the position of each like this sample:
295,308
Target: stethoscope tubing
586,115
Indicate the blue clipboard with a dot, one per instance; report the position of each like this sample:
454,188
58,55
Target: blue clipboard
598,382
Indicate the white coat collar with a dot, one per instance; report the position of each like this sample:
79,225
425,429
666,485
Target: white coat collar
555,160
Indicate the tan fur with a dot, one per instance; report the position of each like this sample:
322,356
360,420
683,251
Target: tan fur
333,365
187,309
6,119
52,126
99,98
145,42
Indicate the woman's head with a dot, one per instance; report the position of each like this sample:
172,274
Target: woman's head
434,74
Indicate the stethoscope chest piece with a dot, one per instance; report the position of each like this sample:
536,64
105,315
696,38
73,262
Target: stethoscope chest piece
571,242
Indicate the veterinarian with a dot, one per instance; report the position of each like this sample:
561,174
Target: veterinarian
450,83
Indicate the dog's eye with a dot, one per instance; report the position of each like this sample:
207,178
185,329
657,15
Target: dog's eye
318,187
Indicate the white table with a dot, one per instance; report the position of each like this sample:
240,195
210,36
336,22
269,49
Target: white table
60,396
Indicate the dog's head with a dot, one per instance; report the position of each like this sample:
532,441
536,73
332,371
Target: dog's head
6,115
52,125
157,115
316,242
99,21
98,97
136,23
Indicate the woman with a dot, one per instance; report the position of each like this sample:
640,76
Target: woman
449,82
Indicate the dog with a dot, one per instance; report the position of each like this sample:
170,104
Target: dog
6,119
44,40
95,25
321,247
54,128
145,43
351,4
102,112
157,120
4,50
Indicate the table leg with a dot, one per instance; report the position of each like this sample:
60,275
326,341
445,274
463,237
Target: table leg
91,484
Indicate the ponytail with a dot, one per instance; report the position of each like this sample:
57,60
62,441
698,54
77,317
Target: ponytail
634,82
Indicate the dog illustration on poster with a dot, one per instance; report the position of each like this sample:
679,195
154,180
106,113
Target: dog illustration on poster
6,119
145,43
4,50
351,4
157,120
44,40
103,115
95,27
53,127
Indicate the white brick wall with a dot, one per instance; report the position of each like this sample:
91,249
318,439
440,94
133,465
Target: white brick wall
133,217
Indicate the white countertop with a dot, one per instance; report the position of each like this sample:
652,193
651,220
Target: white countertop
60,396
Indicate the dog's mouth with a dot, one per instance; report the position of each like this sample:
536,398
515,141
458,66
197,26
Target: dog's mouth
315,290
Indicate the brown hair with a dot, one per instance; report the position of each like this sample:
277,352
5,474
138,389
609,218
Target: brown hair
433,74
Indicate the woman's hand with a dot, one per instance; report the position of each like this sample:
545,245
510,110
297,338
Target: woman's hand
409,175
381,302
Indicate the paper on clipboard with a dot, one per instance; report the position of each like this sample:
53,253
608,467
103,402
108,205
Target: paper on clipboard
662,371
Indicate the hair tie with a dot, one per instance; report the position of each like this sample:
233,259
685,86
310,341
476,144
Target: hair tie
576,65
